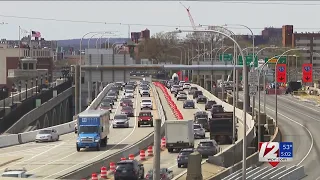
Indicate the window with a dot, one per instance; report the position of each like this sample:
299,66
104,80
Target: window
30,65
25,66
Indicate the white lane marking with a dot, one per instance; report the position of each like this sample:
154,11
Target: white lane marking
44,152
309,132
128,136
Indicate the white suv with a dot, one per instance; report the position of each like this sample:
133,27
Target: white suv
146,104
182,95
129,94
186,86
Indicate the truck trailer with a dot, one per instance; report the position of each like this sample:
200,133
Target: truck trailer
179,134
93,129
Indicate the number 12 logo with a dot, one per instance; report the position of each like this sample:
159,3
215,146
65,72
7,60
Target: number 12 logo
269,152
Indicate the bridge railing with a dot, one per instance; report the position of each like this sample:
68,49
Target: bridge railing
29,104
15,139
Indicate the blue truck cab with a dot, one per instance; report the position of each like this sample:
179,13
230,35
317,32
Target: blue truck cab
93,129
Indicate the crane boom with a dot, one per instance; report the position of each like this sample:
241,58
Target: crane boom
190,17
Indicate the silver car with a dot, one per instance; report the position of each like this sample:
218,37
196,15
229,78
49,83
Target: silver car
121,120
46,135
146,104
208,148
199,131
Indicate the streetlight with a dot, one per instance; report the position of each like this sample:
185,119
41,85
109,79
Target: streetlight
19,86
36,85
99,39
275,79
244,74
259,92
12,89
26,89
4,100
31,86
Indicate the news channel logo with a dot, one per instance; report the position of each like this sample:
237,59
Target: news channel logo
275,152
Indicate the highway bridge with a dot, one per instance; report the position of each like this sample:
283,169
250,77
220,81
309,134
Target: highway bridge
61,160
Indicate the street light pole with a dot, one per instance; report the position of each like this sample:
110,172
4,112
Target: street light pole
244,152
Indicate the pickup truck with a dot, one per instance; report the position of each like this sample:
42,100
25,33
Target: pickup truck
145,118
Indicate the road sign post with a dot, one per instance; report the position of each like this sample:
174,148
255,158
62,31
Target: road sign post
253,89
253,78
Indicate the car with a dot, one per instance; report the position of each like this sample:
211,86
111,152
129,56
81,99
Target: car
115,89
182,95
188,104
174,88
108,100
216,108
144,88
208,148
16,173
186,86
169,84
129,94
181,83
112,95
199,131
177,92
129,87
192,90
46,135
209,104
129,169
145,118
201,99
119,85
165,174
183,156
106,106
126,102
197,93
120,120
128,110
146,104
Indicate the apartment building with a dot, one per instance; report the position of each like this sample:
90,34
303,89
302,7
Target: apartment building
308,40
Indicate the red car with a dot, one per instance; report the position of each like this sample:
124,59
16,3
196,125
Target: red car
128,110
127,103
145,118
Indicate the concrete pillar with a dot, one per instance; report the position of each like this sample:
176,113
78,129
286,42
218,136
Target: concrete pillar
266,138
230,99
269,121
271,128
263,118
77,89
240,104
194,167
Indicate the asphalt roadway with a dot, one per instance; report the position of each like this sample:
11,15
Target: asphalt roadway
53,159
169,160
299,123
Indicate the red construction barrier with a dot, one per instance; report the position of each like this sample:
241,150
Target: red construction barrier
171,103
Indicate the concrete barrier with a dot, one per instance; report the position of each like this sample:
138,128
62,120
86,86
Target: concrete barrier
16,96
9,140
93,167
31,116
14,139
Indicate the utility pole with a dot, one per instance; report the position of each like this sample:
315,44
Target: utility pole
76,89
157,141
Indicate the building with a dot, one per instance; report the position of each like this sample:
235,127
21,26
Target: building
9,58
136,37
309,40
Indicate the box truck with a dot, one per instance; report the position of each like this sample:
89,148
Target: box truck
179,134
93,129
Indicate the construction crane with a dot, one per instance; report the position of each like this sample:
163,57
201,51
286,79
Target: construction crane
190,17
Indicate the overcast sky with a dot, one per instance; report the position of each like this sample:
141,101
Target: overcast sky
252,14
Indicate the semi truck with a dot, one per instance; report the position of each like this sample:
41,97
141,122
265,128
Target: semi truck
175,77
93,129
221,127
179,134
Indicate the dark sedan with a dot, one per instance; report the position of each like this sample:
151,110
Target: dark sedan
201,99
128,111
209,104
127,103
188,104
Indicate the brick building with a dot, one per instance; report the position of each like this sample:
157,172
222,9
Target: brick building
309,40
9,59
